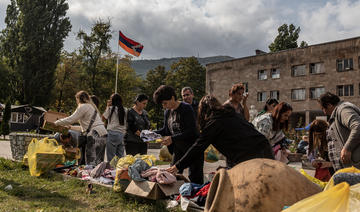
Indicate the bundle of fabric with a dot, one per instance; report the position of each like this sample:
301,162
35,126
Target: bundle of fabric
161,176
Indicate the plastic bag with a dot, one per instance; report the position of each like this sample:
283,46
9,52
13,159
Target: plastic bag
211,154
313,179
122,180
114,161
336,199
165,154
149,159
125,162
43,155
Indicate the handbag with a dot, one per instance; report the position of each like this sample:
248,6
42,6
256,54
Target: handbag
82,140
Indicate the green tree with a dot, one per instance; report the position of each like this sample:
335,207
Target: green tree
154,78
32,42
93,48
187,72
67,83
286,39
5,129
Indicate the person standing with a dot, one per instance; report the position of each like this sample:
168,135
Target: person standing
137,120
115,114
179,129
344,131
232,135
237,100
87,114
188,97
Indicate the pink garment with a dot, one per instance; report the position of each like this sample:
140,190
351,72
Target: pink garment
164,177
158,175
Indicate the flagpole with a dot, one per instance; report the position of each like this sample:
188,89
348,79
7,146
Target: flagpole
117,68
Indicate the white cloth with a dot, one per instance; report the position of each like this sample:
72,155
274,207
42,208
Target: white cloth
83,115
114,124
264,124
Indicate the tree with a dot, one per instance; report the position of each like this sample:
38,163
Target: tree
93,47
154,78
188,72
67,82
32,42
5,129
286,39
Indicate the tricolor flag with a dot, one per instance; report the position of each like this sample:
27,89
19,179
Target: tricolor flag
129,45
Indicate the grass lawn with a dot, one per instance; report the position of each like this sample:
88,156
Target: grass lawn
54,193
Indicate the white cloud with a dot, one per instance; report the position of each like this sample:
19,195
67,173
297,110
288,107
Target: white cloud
211,27
336,20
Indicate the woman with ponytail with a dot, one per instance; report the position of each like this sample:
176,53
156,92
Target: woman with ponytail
115,114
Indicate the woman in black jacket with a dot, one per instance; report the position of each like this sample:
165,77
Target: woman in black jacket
228,132
137,120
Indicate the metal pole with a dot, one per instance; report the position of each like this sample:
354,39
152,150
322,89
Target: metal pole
117,68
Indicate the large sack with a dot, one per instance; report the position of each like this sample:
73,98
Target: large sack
258,185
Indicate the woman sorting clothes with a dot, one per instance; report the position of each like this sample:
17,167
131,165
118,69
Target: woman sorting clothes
88,116
137,120
271,125
228,132
115,114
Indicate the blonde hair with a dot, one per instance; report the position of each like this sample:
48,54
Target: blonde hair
83,97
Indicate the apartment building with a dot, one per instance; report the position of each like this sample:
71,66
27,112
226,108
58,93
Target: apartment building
297,76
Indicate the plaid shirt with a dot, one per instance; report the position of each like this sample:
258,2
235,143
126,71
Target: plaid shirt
334,150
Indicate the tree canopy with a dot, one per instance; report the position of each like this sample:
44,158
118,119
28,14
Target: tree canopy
286,39
33,48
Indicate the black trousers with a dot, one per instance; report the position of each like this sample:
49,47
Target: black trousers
196,169
133,148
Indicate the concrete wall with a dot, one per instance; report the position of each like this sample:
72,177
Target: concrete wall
221,76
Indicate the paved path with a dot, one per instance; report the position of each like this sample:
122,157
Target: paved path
5,149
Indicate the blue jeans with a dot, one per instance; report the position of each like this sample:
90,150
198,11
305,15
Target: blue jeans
114,145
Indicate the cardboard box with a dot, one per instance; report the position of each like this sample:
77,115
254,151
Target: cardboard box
52,116
153,190
49,119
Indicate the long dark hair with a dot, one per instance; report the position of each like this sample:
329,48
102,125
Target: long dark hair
208,107
116,101
279,109
317,132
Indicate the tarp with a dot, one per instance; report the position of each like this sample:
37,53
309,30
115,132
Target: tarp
303,128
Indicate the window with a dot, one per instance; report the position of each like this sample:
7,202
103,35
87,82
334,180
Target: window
317,68
345,90
344,64
246,85
262,75
261,96
13,117
274,95
19,117
298,94
298,70
275,73
315,93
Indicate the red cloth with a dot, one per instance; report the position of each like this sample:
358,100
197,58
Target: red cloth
322,174
203,191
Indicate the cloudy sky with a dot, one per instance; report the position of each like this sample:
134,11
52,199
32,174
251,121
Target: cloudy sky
172,28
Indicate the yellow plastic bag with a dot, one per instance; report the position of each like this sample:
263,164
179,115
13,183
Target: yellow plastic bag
313,179
125,162
345,170
149,159
43,155
165,154
336,199
211,154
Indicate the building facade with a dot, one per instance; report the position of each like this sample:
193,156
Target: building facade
297,76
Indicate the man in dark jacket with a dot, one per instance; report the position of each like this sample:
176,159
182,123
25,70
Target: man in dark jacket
179,130
188,97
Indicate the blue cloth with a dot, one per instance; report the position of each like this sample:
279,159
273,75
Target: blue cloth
114,145
136,169
350,178
190,189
